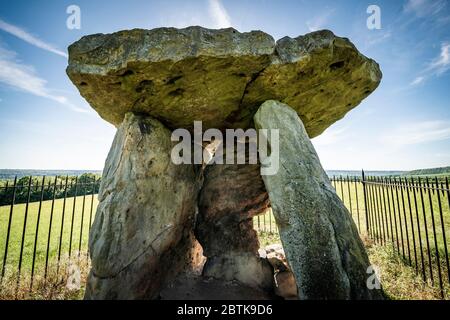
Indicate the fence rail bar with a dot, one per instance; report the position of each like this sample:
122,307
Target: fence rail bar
5,255
61,233
399,184
357,205
405,222
424,276
73,216
435,240
50,229
407,186
444,238
82,221
37,233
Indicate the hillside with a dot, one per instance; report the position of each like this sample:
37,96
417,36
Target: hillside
429,172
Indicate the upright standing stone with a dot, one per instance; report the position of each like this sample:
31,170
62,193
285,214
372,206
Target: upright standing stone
319,237
142,234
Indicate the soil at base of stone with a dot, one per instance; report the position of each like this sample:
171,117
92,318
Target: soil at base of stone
194,287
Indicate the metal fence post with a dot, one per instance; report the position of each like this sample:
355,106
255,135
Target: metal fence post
5,255
37,232
363,181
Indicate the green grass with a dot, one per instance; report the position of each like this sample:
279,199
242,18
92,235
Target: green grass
353,197
399,280
402,275
79,230
54,287
391,213
397,253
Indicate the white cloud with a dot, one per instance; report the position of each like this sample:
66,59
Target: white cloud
437,66
27,37
23,77
418,80
419,132
441,63
319,21
424,8
219,14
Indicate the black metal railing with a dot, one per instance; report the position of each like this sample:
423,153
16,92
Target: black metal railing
45,219
410,214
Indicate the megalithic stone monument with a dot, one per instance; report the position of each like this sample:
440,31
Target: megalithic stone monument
155,217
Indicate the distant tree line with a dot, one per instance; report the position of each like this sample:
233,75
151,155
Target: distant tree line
431,171
56,187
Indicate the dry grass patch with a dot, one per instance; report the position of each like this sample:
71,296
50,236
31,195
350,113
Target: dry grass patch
64,283
399,280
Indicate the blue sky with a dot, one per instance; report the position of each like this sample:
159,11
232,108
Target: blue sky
404,124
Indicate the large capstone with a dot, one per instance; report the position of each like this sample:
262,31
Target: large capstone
220,76
145,216
319,237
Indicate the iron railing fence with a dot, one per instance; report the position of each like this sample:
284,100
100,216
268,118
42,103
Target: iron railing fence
411,214
46,219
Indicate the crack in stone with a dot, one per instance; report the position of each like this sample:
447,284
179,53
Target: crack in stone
252,79
150,246
254,76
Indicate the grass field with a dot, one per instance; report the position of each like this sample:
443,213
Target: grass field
403,263
399,280
393,206
399,207
411,223
75,225
403,278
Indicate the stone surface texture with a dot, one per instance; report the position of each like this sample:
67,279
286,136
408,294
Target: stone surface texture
319,237
145,216
283,279
232,194
220,76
